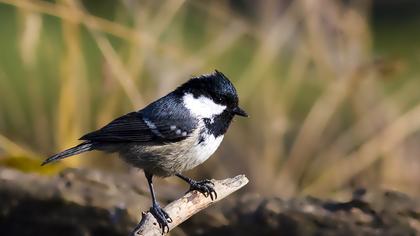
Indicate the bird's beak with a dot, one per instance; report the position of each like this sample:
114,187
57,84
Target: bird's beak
238,111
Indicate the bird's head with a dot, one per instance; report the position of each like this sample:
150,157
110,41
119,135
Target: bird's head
210,95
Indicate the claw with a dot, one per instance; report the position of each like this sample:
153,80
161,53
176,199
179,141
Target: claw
162,217
206,181
205,187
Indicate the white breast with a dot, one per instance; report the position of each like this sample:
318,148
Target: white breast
199,153
206,148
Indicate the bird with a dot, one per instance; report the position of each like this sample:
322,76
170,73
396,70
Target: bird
171,135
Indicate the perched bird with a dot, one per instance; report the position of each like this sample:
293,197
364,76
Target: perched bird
171,135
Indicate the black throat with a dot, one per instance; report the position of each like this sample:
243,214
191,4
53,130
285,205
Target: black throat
220,123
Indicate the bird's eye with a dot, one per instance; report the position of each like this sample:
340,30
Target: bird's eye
219,99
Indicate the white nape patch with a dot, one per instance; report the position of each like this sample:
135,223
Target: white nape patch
152,127
173,127
202,106
206,148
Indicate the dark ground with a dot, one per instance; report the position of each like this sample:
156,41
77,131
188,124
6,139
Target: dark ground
93,203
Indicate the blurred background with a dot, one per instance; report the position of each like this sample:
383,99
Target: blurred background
332,87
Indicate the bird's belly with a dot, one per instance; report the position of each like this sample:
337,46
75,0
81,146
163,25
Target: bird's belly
173,158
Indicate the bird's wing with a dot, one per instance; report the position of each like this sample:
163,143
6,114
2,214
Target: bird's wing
137,127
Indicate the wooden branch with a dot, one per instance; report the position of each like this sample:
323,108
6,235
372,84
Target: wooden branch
188,205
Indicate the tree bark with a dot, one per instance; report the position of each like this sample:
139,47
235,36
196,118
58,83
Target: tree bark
188,205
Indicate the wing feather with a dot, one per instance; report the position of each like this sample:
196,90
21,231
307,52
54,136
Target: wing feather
135,127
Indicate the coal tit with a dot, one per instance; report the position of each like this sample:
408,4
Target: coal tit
171,135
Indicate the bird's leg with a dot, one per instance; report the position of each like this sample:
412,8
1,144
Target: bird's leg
161,216
204,186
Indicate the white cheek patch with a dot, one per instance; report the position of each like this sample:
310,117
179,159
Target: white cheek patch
202,106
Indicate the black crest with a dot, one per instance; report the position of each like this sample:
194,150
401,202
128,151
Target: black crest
215,86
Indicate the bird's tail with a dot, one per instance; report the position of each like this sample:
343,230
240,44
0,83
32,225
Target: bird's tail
83,147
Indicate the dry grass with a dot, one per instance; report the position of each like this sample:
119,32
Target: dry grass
321,120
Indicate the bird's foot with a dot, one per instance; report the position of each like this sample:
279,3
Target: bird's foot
162,217
205,187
